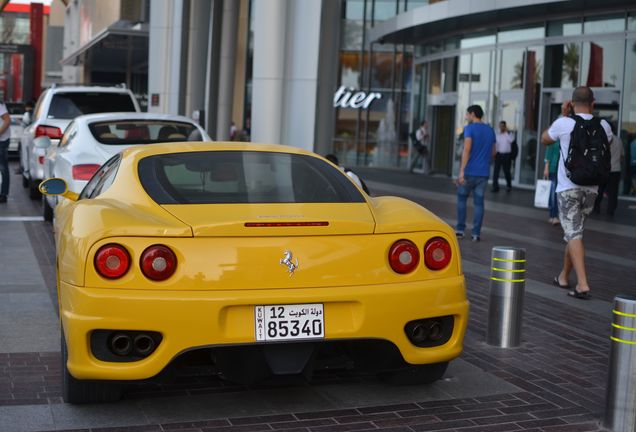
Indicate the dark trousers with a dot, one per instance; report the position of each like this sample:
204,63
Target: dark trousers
502,160
4,167
611,187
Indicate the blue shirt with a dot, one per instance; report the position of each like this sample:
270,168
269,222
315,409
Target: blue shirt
483,137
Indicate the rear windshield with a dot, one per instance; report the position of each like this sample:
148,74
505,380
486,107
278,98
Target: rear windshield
217,177
71,105
141,131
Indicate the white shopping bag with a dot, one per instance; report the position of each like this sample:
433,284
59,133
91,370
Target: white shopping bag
542,193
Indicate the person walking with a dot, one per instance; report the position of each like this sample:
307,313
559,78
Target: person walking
611,187
550,172
5,136
474,170
503,157
420,142
575,201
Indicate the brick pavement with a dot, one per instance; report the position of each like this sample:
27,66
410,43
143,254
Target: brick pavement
560,368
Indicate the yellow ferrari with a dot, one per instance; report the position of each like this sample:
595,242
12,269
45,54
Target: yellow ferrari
268,257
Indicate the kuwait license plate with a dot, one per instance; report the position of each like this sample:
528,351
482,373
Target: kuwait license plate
289,322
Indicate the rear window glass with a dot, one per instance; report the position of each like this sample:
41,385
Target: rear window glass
142,131
71,105
217,177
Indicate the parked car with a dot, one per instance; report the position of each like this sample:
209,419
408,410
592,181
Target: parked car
268,258
90,140
53,112
16,133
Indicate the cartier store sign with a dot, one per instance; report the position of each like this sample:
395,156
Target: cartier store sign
349,98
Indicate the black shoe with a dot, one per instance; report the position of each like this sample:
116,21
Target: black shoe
459,235
3,198
475,238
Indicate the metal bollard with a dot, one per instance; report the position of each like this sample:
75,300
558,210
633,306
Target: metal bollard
507,286
620,404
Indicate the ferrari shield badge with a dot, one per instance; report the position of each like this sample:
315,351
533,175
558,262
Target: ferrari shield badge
288,261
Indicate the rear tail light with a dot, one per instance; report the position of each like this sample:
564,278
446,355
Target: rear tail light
158,262
84,172
41,160
404,256
112,261
49,131
437,253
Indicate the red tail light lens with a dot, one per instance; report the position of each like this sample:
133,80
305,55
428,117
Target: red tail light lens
84,172
158,262
112,261
437,253
404,256
49,131
41,160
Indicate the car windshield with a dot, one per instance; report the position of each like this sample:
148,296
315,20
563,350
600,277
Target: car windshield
71,105
238,177
121,132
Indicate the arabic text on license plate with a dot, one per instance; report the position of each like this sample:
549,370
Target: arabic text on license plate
288,322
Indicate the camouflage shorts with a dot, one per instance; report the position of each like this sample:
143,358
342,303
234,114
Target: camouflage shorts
574,206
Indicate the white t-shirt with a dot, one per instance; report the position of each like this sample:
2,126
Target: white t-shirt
7,133
561,130
504,142
422,135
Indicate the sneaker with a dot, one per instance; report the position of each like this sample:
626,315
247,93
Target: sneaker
459,235
475,238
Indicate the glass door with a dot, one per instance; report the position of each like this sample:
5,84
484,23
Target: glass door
510,110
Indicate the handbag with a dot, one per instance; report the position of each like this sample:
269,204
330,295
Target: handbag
542,193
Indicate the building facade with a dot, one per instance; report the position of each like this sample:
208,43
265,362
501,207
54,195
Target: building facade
519,61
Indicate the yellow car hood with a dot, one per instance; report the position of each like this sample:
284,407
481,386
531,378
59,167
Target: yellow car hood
264,220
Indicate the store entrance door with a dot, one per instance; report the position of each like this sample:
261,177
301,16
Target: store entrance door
442,140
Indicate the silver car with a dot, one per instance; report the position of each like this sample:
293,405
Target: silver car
53,112
90,140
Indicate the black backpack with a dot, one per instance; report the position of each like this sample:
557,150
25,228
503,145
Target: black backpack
588,161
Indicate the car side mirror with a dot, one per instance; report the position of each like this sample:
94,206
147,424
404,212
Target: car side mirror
57,187
42,142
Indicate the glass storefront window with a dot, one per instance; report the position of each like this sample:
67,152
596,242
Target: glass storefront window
628,127
521,34
463,93
449,74
604,25
480,72
511,68
631,22
562,65
475,41
384,9
602,63
354,10
412,4
529,144
15,29
350,69
435,77
382,70
565,28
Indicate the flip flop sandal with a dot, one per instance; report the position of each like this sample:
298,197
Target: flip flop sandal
582,295
555,282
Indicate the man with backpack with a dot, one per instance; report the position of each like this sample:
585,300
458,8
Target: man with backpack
584,165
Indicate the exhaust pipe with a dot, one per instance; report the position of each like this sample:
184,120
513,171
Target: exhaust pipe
121,344
430,332
144,345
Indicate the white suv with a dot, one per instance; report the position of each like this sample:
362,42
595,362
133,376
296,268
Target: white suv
55,109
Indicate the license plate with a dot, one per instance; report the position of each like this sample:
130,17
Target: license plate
289,322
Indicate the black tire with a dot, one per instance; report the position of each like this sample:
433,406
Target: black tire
47,210
76,391
415,374
34,192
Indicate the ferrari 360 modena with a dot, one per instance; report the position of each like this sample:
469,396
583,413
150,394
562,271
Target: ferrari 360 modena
267,257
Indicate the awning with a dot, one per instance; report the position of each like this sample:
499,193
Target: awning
118,47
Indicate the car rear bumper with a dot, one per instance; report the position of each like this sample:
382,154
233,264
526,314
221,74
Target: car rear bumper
192,319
